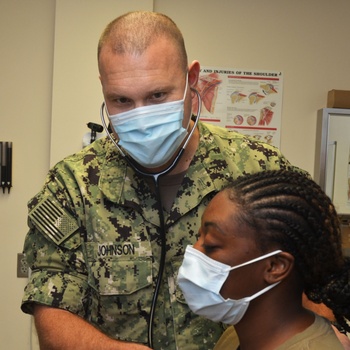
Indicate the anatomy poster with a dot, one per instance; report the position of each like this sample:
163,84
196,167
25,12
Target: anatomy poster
249,101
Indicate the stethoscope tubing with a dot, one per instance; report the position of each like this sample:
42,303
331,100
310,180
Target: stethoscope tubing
155,177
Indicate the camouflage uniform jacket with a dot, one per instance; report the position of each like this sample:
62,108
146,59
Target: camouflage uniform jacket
94,246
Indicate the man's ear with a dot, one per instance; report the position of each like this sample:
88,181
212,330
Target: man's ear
278,267
193,73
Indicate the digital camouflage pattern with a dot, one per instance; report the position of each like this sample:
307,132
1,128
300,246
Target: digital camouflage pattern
94,239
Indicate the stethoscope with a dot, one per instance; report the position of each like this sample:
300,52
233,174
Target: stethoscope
155,177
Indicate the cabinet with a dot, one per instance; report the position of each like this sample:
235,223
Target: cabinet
332,163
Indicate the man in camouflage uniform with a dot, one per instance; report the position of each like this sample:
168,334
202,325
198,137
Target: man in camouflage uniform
95,237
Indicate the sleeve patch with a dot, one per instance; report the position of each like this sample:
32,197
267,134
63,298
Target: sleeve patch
53,220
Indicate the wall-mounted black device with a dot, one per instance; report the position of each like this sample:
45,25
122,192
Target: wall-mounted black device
5,165
95,128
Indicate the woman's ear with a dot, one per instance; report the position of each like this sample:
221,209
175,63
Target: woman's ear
278,267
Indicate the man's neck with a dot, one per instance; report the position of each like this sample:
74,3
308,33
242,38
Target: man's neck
189,152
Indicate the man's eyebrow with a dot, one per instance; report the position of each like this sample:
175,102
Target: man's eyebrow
112,95
162,88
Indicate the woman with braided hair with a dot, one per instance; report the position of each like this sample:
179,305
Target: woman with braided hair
263,242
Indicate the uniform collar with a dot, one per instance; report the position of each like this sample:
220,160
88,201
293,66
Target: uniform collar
113,174
120,184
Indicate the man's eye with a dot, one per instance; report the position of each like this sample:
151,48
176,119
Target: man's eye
159,96
122,100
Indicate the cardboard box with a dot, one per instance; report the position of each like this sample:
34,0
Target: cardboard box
346,240
338,99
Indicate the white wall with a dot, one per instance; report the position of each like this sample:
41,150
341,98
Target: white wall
29,39
77,92
307,40
26,46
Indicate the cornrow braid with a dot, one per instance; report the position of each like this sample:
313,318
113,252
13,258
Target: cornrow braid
287,209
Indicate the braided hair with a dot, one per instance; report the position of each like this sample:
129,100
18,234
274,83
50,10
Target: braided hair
288,209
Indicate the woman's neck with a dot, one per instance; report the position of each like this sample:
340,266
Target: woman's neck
272,327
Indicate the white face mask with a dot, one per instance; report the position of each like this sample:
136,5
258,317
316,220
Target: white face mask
151,134
201,279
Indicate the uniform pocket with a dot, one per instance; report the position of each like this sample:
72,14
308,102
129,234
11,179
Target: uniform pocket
120,276
121,290
119,270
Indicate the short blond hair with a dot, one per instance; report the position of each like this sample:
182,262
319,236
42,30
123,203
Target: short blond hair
134,32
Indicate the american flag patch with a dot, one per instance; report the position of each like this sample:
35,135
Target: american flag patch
53,220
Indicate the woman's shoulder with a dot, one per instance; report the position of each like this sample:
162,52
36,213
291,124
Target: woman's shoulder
228,340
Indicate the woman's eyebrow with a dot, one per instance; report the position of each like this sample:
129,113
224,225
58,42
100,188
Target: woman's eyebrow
208,224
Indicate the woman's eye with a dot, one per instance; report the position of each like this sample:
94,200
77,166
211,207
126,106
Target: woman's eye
209,248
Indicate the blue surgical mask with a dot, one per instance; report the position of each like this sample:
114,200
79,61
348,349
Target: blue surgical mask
201,279
151,134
